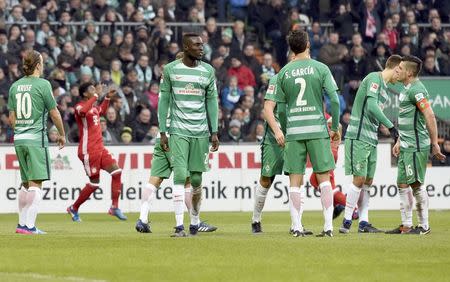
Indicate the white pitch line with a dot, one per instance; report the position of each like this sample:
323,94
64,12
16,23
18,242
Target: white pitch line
45,277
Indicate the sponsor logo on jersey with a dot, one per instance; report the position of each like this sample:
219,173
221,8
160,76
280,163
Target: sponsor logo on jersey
374,87
419,97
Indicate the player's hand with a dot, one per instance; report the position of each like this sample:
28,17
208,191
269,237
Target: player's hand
61,141
111,93
164,142
215,142
394,133
279,136
436,152
396,149
335,136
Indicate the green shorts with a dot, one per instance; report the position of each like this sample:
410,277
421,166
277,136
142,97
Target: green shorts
34,162
271,159
360,158
160,162
412,167
319,151
189,152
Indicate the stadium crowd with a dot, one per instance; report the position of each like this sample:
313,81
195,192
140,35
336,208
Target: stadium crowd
245,55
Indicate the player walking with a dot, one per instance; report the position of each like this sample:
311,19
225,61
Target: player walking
300,85
418,130
30,102
91,150
188,89
362,139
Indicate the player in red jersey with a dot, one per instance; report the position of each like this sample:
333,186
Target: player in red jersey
338,197
91,150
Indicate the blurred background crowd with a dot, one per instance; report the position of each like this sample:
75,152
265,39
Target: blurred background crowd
125,44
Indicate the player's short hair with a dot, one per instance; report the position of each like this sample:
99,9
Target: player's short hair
413,64
84,87
393,61
298,41
188,36
30,61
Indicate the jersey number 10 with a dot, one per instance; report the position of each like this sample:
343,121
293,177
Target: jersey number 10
302,82
23,107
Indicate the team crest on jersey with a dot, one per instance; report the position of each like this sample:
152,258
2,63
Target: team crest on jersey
271,89
189,86
267,168
374,87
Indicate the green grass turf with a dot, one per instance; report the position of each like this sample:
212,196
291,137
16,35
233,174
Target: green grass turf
102,248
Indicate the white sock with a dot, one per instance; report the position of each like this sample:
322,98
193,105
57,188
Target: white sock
23,207
260,200
147,199
188,198
295,201
178,203
406,206
363,203
421,196
351,201
196,203
33,198
326,197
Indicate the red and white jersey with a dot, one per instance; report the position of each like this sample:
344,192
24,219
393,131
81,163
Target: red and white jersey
88,120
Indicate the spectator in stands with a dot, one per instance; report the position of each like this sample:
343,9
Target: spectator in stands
151,136
356,70
267,66
221,71
99,8
239,38
127,135
63,34
242,72
108,136
104,52
3,42
276,30
207,49
114,124
380,53
151,96
116,71
144,71
249,59
333,54
316,39
43,33
5,83
53,134
16,15
358,41
446,151
234,134
238,9
92,34
89,62
343,22
231,94
81,45
141,125
429,67
256,133
147,9
214,34
391,34
370,23
345,121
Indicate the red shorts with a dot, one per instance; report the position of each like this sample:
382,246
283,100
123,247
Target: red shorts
93,163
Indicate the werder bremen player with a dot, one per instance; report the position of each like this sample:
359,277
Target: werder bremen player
161,170
30,102
418,130
300,84
361,142
188,90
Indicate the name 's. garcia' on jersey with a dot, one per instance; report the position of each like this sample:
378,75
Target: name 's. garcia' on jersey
300,72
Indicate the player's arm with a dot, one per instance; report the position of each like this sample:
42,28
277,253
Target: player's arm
163,108
50,105
271,99
83,110
331,89
424,106
212,109
268,111
374,110
12,119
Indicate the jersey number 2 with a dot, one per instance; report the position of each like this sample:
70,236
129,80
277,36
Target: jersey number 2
302,82
23,101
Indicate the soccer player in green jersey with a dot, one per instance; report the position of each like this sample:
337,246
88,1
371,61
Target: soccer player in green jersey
188,88
300,85
30,102
418,131
361,142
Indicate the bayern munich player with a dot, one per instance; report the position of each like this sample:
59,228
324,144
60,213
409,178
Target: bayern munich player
91,150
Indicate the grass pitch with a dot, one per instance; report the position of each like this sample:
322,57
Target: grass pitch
103,249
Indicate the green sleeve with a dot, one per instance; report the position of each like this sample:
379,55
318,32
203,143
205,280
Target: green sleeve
212,103
373,86
11,100
374,110
271,91
281,110
417,96
335,110
280,96
164,99
47,96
